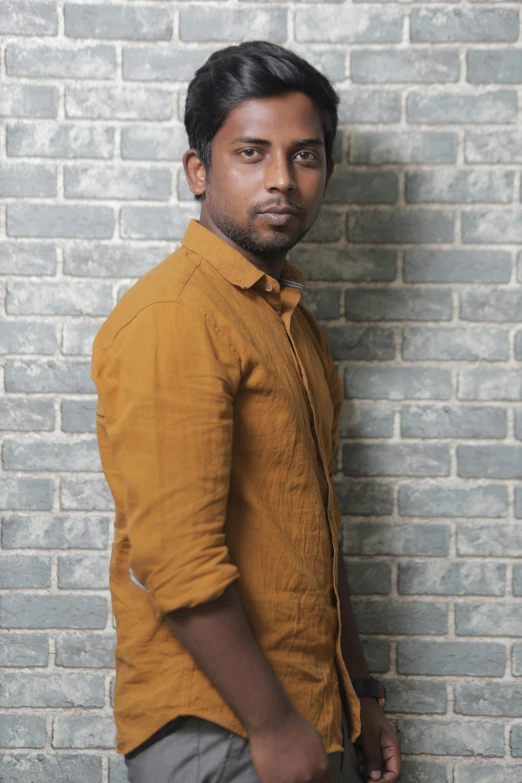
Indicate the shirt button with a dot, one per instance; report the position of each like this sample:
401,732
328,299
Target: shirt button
268,287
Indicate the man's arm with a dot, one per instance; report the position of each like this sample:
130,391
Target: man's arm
351,646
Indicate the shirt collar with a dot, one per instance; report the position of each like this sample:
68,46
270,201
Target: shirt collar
237,269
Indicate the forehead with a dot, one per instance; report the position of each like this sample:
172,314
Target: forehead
291,115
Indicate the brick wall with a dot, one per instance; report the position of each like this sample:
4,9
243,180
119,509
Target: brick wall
413,270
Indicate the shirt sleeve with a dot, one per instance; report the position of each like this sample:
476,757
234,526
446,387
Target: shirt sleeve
167,385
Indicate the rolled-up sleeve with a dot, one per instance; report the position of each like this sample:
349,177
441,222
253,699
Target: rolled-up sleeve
166,385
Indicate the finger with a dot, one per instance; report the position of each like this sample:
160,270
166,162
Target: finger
391,755
373,758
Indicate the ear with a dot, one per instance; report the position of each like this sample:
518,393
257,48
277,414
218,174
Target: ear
195,172
329,171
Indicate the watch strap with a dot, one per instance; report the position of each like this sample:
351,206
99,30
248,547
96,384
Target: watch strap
369,687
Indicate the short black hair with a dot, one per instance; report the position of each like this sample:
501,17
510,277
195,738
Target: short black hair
254,69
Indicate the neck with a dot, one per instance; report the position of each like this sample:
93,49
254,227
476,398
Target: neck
271,266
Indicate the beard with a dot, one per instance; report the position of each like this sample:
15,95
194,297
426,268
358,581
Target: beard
253,241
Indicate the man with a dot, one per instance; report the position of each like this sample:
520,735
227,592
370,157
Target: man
217,426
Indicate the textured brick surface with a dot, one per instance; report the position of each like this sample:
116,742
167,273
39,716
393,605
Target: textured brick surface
414,270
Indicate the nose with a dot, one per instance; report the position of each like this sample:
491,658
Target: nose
279,174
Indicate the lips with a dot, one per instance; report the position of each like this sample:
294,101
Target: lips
279,211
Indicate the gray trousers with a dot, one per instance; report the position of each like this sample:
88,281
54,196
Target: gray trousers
202,752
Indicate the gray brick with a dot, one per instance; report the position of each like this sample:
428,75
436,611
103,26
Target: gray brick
324,303
60,140
60,62
457,266
490,305
491,619
51,454
23,571
377,147
33,494
467,187
332,63
502,699
400,617
397,459
85,651
377,654
486,773
489,461
154,63
122,103
391,66
500,147
62,768
416,696
398,304
79,415
517,660
27,258
364,498
489,106
362,187
423,772
459,344
425,578
51,690
491,540
327,227
27,336
50,611
517,581
22,731
118,770
490,384
23,649
398,383
518,503
117,182
59,220
494,66
28,100
518,422
347,264
348,24
360,342
49,375
59,531
144,142
496,227
429,500
85,494
83,731
480,659
445,737
78,337
415,225
28,17
27,179
369,106
143,22
46,298
393,539
79,571
155,222
369,578
453,421
209,23
445,25
516,741
365,421
99,260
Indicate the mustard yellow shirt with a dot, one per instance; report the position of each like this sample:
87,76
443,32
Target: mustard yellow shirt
217,419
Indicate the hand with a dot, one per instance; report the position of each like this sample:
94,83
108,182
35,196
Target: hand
379,744
290,752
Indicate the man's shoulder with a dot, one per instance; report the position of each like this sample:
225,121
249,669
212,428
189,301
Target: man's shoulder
164,283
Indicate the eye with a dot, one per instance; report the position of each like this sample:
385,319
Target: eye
249,154
306,156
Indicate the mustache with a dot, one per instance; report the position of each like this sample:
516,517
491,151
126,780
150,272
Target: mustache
255,208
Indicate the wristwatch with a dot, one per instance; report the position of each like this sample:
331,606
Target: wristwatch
371,687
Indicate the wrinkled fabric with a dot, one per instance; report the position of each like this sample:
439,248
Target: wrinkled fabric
217,420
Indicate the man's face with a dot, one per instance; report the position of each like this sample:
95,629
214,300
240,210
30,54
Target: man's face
268,156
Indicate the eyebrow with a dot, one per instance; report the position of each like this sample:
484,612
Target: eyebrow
313,142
